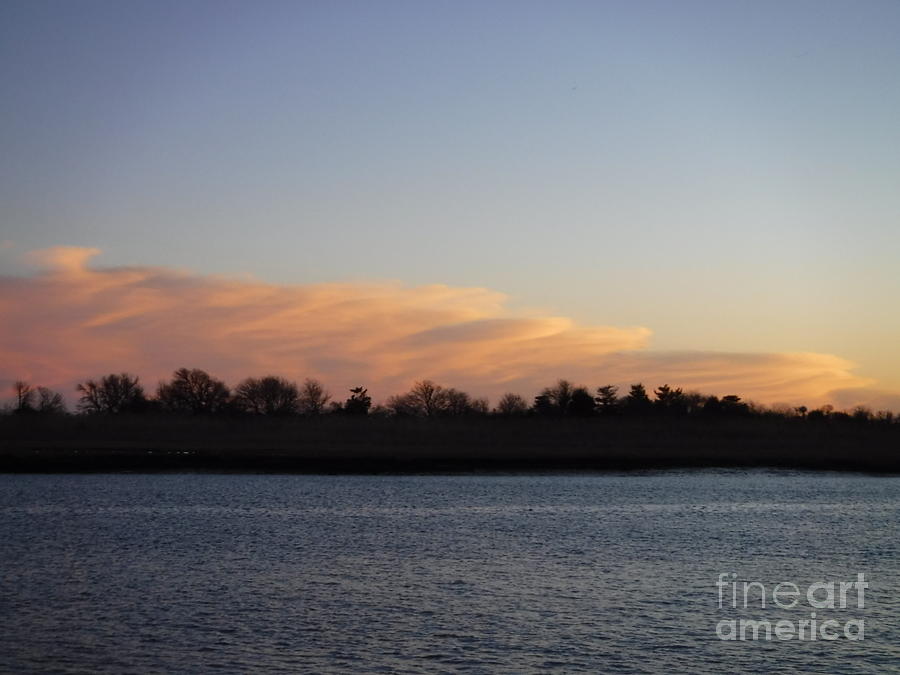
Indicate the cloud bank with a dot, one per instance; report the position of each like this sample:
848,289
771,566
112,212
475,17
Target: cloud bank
70,321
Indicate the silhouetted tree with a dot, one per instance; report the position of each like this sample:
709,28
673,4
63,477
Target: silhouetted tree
607,399
555,400
269,395
582,403
381,411
861,413
402,405
24,393
50,402
479,406
820,414
426,399
637,401
693,402
543,406
511,405
732,405
312,397
670,401
456,402
429,397
193,391
712,406
359,402
111,394
885,416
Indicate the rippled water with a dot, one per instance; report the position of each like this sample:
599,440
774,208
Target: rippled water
600,573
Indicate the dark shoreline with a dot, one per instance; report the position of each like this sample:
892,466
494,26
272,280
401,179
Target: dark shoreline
342,445
104,464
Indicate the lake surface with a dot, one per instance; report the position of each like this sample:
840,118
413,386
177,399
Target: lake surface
589,573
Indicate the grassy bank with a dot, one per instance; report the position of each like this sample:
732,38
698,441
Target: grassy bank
363,445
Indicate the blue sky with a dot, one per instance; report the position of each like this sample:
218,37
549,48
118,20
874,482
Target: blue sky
723,173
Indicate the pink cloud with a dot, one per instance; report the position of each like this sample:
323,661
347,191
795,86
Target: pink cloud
71,321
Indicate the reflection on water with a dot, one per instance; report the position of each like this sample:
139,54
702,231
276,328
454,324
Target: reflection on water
605,573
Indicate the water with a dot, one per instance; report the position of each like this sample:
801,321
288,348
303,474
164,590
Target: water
599,573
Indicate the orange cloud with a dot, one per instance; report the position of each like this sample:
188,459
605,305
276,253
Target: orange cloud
71,321
874,399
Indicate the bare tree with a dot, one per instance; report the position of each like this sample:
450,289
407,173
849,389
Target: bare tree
269,395
50,402
401,405
312,397
24,397
111,394
456,402
428,398
193,391
555,400
479,406
511,405
425,399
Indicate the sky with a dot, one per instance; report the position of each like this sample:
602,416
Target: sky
495,194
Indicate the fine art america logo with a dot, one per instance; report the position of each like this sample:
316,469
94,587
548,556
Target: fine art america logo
817,625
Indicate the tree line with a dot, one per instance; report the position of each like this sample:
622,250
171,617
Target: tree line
192,391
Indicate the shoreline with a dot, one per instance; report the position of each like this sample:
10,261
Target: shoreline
435,446
279,466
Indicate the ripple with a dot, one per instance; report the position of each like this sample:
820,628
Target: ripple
576,574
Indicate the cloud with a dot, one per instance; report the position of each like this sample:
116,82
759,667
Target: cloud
872,398
63,259
71,320
794,377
